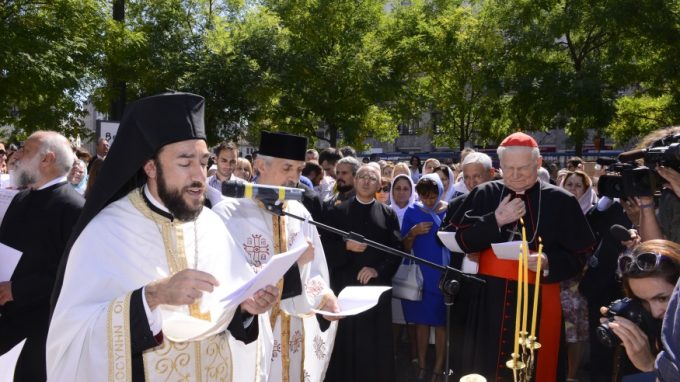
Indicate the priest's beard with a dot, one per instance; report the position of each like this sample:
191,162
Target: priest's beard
173,200
27,172
345,188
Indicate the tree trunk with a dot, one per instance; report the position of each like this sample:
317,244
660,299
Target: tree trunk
333,131
118,87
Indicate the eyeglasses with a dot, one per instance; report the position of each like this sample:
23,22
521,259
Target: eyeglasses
3,152
368,178
644,262
384,189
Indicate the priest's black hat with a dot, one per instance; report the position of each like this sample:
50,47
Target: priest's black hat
283,145
147,125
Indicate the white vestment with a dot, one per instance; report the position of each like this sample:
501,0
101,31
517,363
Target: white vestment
291,346
125,247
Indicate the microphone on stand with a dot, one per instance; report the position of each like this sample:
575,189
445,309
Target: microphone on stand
266,194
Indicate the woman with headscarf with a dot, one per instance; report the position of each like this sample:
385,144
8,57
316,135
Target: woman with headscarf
574,305
77,177
402,196
419,230
448,181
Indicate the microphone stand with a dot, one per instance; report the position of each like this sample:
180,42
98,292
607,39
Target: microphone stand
449,283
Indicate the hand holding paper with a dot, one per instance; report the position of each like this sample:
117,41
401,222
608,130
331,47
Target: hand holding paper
508,250
354,300
449,240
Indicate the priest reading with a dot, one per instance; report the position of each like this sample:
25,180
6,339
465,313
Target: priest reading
491,214
145,258
363,347
293,347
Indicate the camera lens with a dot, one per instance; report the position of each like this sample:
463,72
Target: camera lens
606,336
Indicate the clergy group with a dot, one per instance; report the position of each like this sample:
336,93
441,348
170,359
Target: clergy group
121,285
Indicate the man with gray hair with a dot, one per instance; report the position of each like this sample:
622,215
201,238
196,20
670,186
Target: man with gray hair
550,216
38,223
476,168
345,171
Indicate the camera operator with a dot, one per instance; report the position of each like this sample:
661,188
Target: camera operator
665,225
649,276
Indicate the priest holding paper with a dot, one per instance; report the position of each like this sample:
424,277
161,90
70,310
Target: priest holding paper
491,214
294,344
148,264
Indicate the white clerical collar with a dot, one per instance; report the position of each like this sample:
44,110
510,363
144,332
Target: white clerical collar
53,182
364,203
153,200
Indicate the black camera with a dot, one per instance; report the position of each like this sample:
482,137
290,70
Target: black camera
626,178
627,308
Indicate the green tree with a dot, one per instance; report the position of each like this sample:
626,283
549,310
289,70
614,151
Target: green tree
454,66
571,59
47,53
333,73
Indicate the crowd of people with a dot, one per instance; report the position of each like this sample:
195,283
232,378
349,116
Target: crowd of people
123,250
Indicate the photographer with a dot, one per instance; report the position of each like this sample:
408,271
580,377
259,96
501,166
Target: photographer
665,225
648,275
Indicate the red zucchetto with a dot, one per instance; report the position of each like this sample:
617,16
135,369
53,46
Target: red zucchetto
519,139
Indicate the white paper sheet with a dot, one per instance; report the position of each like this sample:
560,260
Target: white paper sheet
449,240
357,299
6,196
270,274
9,258
508,250
469,266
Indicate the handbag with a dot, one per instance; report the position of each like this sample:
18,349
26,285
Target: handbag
407,283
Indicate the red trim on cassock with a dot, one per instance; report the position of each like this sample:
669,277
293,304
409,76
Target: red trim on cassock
550,329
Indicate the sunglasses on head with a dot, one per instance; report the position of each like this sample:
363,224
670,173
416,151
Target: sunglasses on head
643,262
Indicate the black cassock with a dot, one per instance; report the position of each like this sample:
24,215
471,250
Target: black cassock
38,223
363,346
488,334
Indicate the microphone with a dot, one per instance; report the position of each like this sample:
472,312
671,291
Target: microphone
620,232
267,194
632,155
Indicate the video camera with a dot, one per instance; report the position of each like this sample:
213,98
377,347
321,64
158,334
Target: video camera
625,178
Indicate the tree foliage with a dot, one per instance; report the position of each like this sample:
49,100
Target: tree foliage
351,69
47,52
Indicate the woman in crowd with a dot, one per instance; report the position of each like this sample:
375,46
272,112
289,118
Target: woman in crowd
448,181
430,165
77,177
244,169
387,170
579,184
648,275
574,305
415,167
383,194
401,168
419,230
402,196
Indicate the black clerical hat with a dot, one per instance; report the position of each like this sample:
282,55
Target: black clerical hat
147,125
283,145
